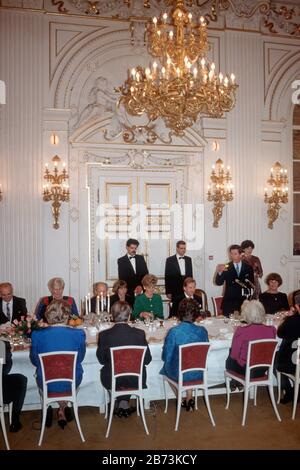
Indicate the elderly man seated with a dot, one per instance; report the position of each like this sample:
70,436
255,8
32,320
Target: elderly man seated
56,286
11,307
121,334
101,291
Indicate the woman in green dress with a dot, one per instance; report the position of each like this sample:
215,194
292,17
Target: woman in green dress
148,305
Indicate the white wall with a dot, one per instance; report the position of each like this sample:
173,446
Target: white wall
50,65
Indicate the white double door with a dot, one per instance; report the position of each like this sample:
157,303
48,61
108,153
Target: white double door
135,204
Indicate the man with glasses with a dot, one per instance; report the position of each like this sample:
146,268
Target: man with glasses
11,307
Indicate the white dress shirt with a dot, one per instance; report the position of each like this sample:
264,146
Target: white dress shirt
239,266
4,309
181,263
132,261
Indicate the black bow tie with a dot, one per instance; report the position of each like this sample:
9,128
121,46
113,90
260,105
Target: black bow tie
181,257
131,257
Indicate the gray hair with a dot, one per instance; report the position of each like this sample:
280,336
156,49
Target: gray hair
58,311
121,311
56,281
253,311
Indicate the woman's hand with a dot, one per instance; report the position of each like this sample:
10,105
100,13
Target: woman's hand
145,315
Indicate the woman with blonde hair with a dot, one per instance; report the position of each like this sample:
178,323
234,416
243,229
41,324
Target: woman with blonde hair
56,286
148,304
58,337
253,313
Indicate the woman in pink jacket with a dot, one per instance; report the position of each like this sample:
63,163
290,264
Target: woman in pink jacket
253,313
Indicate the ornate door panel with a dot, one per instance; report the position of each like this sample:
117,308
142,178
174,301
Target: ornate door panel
135,204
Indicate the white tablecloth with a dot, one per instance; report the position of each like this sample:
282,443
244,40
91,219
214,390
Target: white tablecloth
91,392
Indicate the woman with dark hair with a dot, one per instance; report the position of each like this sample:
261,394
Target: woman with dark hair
273,300
247,247
120,293
184,333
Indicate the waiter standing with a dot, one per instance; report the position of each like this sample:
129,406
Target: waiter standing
132,267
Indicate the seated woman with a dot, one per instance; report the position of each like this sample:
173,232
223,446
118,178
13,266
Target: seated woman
58,337
253,313
56,286
120,293
121,334
272,299
148,305
185,332
289,331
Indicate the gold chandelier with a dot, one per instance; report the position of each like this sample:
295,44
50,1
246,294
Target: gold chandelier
185,84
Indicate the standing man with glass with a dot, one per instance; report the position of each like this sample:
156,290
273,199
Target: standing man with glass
238,277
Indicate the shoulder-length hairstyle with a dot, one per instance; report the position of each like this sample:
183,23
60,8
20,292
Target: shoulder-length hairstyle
149,280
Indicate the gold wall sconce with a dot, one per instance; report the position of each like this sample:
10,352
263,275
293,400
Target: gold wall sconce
56,190
220,190
279,192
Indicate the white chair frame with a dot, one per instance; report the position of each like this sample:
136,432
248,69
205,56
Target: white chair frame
46,401
182,388
268,381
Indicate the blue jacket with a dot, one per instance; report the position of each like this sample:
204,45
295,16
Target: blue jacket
58,338
184,333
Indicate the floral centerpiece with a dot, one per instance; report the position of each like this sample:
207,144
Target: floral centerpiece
26,325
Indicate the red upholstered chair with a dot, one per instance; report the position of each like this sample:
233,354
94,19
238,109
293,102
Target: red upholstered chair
294,377
58,366
261,353
192,357
127,361
217,302
2,420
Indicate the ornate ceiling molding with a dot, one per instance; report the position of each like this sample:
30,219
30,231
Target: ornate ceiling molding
268,16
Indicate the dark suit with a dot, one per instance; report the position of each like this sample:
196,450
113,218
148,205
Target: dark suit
121,334
181,297
14,385
173,278
233,298
19,310
126,272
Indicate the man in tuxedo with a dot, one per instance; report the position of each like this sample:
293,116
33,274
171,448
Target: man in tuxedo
121,334
189,287
239,281
178,268
11,307
132,267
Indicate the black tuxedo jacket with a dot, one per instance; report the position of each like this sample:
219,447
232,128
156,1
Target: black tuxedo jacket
233,295
19,310
179,298
121,334
126,272
173,278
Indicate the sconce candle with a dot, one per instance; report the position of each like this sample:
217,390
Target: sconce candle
220,190
55,190
279,192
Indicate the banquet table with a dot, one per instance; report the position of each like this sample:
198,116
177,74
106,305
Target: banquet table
91,392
